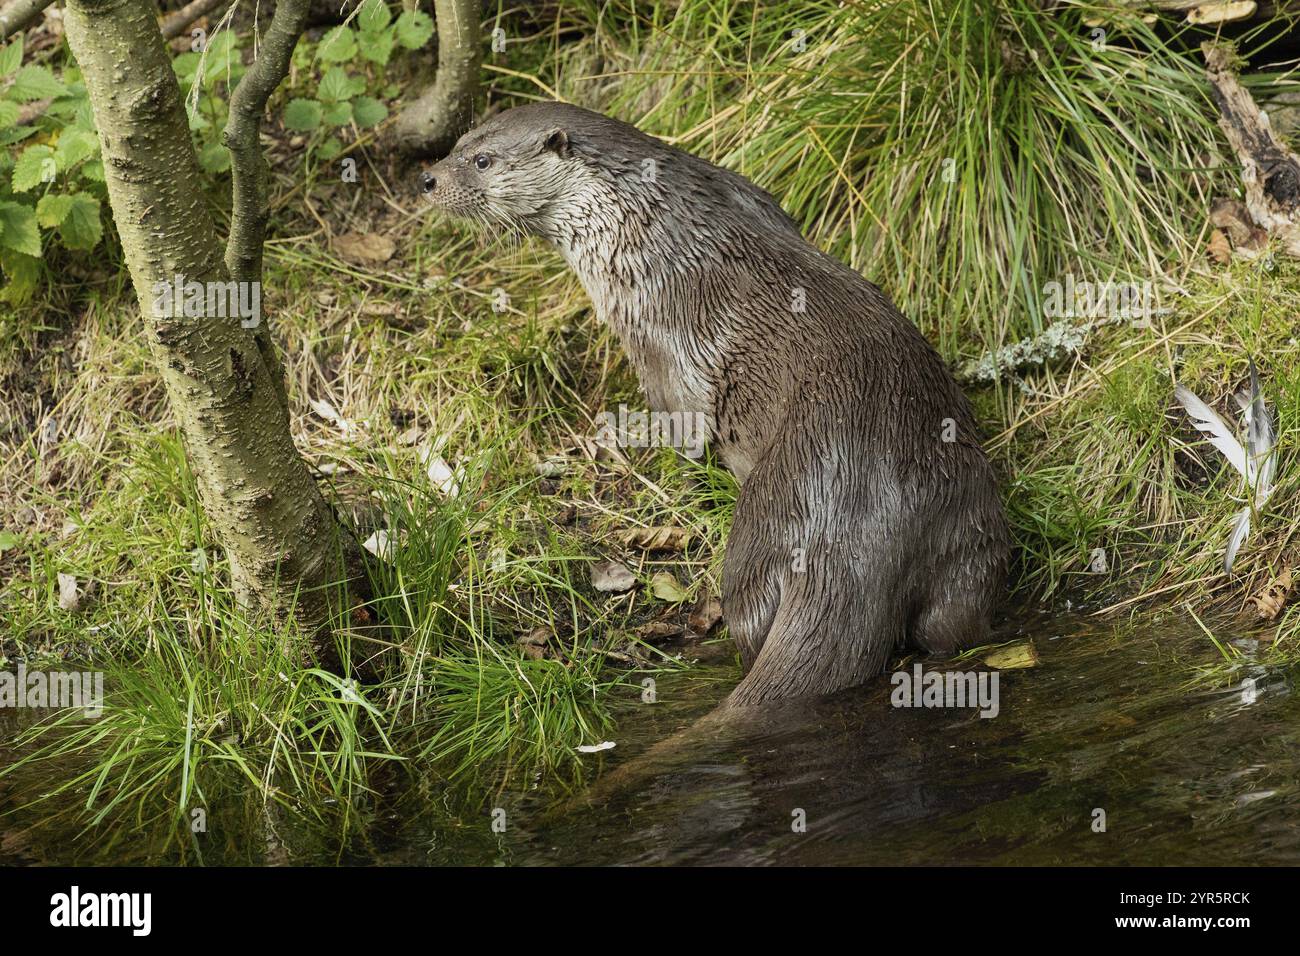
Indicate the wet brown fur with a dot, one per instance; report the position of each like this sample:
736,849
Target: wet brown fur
868,515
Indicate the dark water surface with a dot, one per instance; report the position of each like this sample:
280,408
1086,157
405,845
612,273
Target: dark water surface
1188,772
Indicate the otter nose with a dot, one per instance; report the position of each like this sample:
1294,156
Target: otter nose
427,183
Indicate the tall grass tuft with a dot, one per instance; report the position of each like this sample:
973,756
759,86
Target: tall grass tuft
962,153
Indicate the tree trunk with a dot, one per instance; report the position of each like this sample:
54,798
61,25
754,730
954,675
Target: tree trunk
431,124
279,534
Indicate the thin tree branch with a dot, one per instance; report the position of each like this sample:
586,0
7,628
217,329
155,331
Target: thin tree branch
19,15
175,24
250,194
430,125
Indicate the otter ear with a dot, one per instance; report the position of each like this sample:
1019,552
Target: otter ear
557,141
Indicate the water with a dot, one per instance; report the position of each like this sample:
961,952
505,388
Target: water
1187,771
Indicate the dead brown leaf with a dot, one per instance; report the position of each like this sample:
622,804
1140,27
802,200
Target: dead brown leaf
365,249
656,632
611,576
656,538
533,644
1269,600
1219,249
706,614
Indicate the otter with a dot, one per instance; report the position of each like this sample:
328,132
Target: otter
868,516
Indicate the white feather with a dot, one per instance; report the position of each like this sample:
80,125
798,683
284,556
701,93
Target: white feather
1260,460
1257,461
1239,531
1207,420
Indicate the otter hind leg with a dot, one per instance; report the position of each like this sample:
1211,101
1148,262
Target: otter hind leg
945,627
958,592
752,568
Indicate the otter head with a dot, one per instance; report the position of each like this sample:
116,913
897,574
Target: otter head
517,171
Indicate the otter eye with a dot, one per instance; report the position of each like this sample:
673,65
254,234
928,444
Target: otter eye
482,160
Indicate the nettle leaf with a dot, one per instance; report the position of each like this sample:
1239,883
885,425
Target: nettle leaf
85,115
23,274
8,113
75,145
336,86
185,66
224,69
368,111
338,114
329,149
414,29
302,115
35,83
338,45
223,43
36,165
11,57
374,16
94,171
52,210
16,134
223,60
214,158
81,228
18,229
377,47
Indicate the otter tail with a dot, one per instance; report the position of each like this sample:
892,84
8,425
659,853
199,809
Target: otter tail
834,626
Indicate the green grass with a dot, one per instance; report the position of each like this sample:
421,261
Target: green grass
961,153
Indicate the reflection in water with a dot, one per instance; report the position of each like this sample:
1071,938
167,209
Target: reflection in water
1108,721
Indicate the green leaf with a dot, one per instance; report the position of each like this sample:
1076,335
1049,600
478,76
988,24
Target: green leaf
368,111
666,588
329,149
302,114
35,83
414,29
94,171
223,60
338,45
23,275
184,66
197,121
374,16
336,86
75,145
18,229
16,134
85,115
9,540
11,57
81,229
338,114
377,47
222,44
8,113
51,210
214,158
36,165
